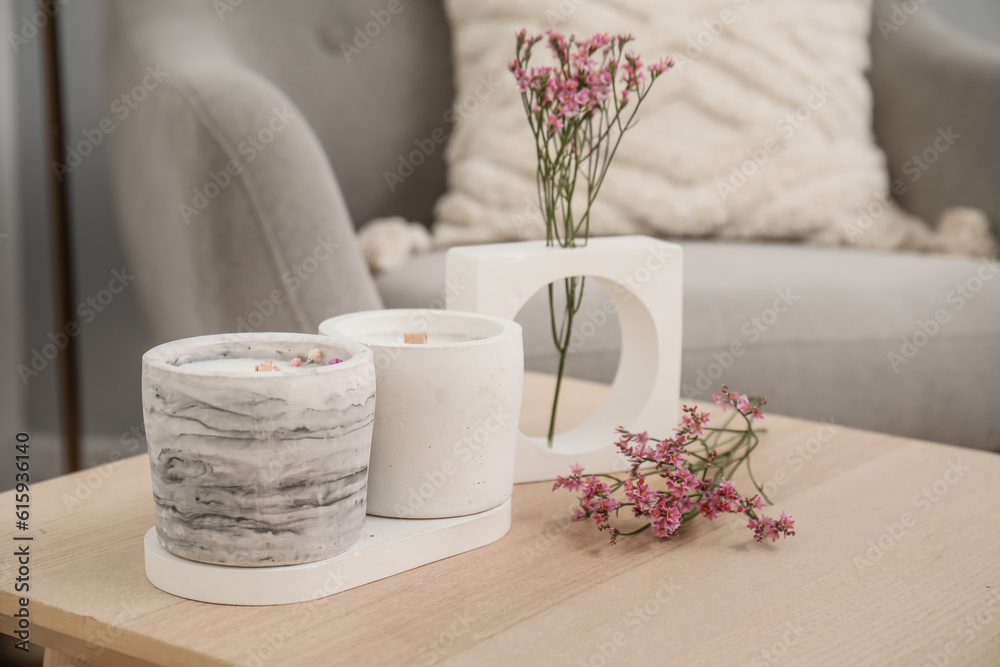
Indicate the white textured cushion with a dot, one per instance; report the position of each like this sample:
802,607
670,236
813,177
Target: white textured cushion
763,130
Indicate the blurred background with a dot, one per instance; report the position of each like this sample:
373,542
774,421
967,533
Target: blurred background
113,340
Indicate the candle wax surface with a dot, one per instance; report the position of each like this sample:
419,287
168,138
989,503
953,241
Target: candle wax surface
432,338
244,366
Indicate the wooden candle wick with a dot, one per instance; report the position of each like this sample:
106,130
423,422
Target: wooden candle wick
418,338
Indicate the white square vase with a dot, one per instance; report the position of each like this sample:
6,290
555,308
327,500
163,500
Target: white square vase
643,277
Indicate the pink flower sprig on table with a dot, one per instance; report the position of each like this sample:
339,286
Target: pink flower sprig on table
695,468
741,402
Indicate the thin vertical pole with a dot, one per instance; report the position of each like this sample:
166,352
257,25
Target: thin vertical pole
62,251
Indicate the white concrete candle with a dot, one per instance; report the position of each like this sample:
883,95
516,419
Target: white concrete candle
447,414
258,468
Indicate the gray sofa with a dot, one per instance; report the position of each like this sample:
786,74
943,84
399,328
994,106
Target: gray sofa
234,227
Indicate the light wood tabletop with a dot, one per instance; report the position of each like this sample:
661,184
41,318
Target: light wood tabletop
895,563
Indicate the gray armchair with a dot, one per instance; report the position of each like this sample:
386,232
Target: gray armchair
241,179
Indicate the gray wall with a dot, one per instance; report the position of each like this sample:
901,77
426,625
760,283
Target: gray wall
40,394
979,18
11,405
113,342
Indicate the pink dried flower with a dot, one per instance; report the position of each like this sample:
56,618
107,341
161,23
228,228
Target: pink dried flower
523,80
633,72
638,492
557,44
572,483
595,42
666,519
694,421
684,494
315,355
335,361
295,362
660,66
765,526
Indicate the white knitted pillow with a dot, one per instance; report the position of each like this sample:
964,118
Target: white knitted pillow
762,130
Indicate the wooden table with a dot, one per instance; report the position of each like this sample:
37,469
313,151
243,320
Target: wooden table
896,561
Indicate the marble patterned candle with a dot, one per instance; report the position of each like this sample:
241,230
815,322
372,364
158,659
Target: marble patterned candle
446,422
258,468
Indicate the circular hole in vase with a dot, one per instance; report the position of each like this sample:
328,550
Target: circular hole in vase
593,356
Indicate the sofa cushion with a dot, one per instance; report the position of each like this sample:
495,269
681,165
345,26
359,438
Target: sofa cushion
900,343
761,131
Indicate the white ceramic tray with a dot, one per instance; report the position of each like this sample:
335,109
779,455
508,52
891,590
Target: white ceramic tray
386,547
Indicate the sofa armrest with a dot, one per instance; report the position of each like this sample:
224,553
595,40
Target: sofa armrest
230,211
937,101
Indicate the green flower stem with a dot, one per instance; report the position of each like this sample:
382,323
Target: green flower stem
559,379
